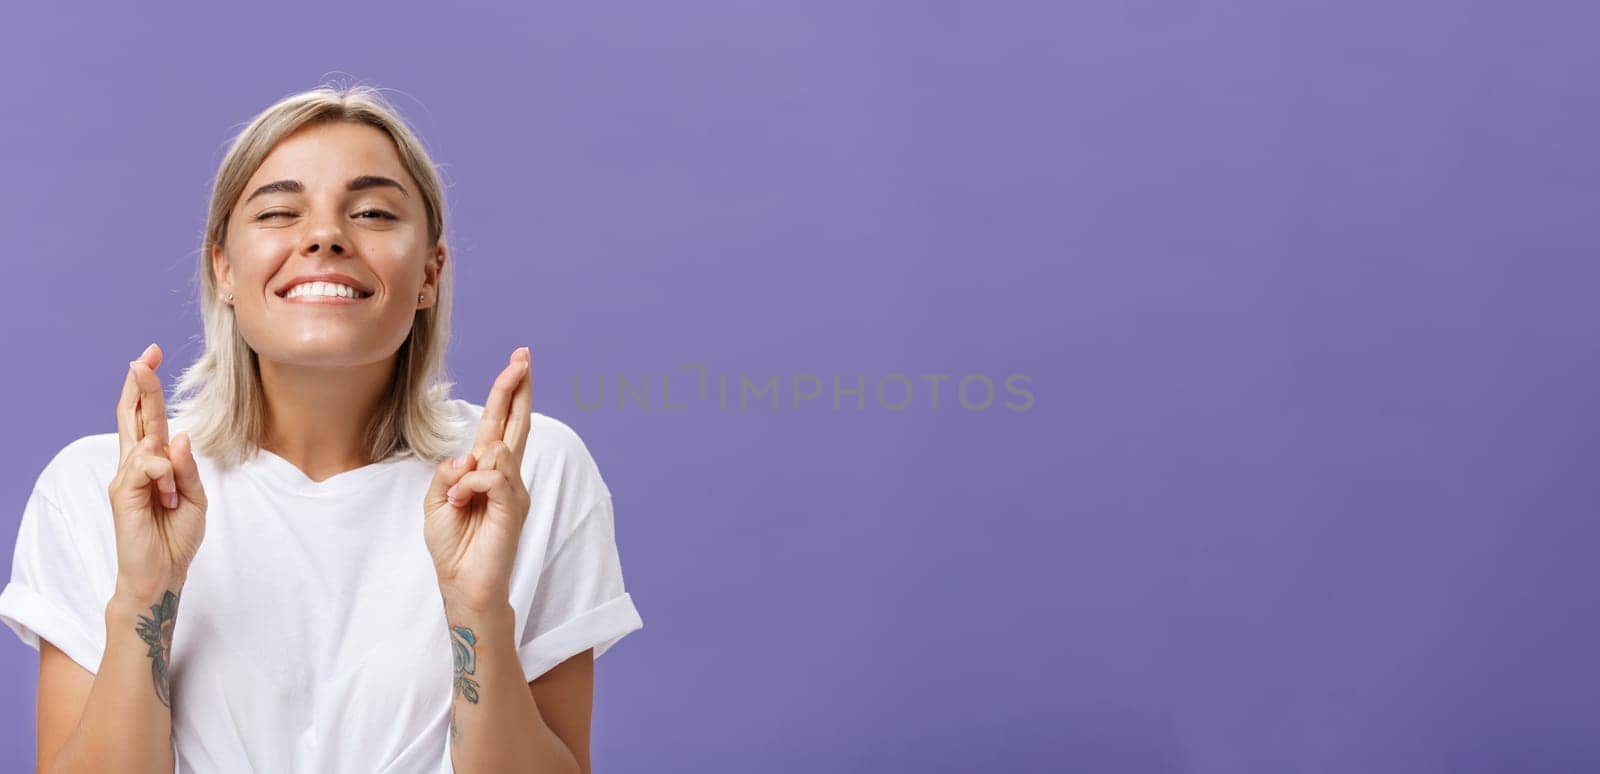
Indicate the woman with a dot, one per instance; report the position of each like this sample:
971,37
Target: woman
324,563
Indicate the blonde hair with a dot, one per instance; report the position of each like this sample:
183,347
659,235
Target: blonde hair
218,399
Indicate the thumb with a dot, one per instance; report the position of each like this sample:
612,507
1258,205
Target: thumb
184,469
445,475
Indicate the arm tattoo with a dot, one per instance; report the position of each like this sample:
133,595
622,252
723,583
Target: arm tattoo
156,631
465,646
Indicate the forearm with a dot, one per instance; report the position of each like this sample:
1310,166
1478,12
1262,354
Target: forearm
127,723
495,723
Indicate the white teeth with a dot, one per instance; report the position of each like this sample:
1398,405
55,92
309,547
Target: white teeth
322,289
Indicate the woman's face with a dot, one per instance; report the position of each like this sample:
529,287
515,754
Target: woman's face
298,217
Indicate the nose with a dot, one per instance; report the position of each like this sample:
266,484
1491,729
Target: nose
323,236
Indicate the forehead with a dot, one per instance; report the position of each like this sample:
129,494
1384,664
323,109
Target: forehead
330,154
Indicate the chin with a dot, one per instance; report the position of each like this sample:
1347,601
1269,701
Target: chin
322,354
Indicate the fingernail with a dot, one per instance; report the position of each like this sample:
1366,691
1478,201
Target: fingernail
171,499
461,461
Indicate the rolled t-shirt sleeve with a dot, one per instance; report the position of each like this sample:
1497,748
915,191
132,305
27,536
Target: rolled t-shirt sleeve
579,602
53,593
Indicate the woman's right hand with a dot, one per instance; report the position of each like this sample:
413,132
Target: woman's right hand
157,504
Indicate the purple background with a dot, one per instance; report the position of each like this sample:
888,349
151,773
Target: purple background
1306,292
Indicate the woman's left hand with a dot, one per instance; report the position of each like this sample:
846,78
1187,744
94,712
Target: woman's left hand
473,515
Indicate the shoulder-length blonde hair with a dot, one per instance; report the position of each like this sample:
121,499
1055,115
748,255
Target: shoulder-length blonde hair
218,398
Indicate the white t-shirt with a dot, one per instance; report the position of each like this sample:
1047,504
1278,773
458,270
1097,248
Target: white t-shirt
311,636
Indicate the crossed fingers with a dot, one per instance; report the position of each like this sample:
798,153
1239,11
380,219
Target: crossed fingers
505,413
142,415
141,411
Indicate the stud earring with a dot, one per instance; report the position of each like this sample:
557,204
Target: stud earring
230,298
419,298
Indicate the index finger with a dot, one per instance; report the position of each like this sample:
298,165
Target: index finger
128,424
517,423
152,406
492,426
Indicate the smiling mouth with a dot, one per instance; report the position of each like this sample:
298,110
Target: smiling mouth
359,296
308,299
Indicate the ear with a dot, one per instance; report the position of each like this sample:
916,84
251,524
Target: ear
222,269
431,270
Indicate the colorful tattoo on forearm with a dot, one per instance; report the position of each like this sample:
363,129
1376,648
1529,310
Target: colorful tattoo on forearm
156,631
465,646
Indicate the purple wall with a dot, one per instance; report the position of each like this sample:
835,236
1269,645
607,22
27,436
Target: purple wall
1305,294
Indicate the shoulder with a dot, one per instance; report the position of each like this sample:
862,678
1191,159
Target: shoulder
85,463
73,483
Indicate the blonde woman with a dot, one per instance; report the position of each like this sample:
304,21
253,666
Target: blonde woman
321,562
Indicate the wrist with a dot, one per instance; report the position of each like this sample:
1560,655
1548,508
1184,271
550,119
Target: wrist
459,603
497,624
125,605
145,594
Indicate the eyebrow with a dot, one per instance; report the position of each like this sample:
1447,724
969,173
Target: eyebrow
356,184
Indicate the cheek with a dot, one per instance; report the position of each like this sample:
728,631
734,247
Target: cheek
255,256
395,266
253,271
391,253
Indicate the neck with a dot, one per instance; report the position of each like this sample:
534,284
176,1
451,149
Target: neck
316,416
